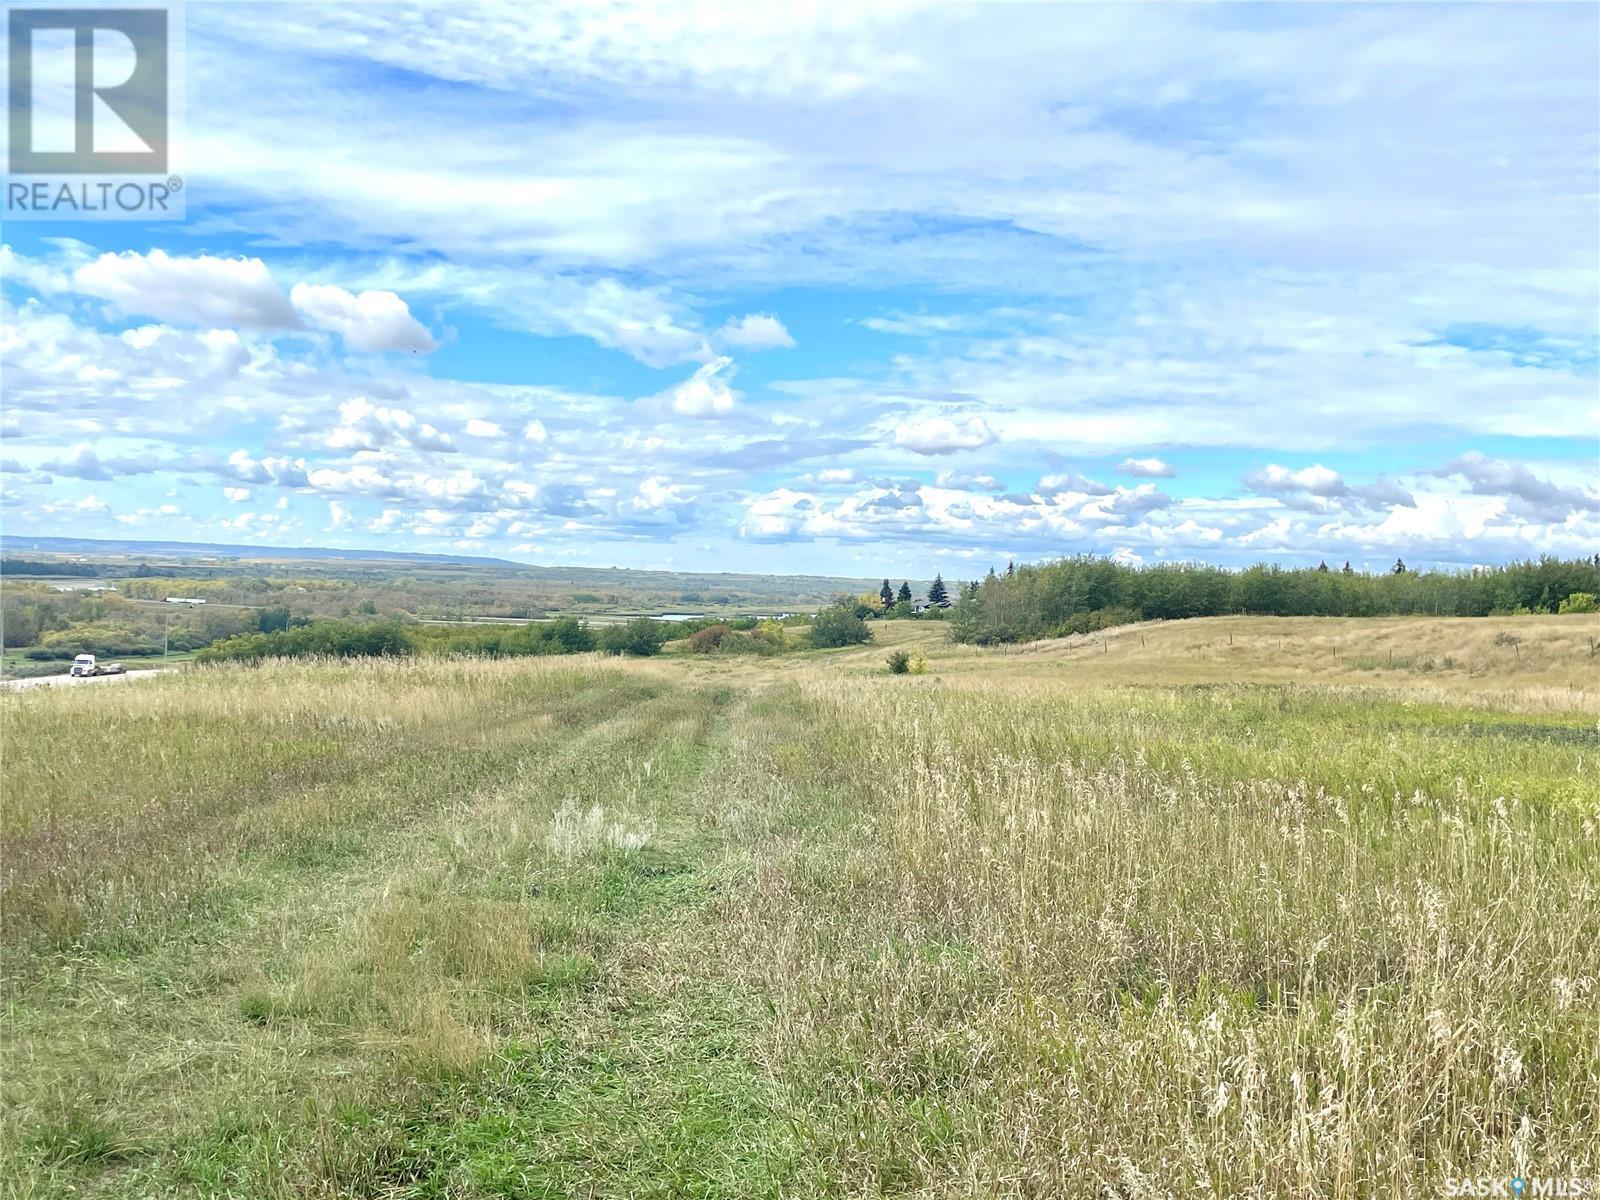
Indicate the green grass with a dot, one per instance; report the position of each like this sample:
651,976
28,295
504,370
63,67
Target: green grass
556,928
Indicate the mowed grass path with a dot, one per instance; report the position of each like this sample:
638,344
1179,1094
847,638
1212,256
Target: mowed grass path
574,928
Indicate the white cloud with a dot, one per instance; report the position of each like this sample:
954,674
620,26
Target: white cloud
1148,468
756,331
364,425
1522,489
370,321
705,393
969,481
479,428
89,504
236,495
943,435
1323,487
534,431
203,290
270,469
1071,481
1317,480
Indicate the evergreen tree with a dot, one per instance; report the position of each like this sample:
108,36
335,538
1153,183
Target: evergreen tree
886,593
1323,566
903,596
937,594
1347,569
1399,567
1011,567
972,590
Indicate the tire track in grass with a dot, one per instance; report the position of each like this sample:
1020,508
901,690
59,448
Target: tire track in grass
140,1046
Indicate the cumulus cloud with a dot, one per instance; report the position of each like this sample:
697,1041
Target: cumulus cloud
1071,481
270,469
83,463
1531,495
1148,468
89,504
534,431
1315,480
368,321
756,331
236,495
971,482
706,393
203,290
1319,486
943,435
364,425
480,428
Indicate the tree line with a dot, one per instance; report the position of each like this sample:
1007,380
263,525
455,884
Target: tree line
360,639
1079,595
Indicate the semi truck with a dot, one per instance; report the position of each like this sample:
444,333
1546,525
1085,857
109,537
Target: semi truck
85,666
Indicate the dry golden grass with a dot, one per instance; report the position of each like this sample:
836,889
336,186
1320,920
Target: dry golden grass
1225,907
1533,664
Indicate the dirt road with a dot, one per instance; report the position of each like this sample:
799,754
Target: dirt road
17,685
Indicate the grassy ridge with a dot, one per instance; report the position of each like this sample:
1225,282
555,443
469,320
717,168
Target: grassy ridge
569,927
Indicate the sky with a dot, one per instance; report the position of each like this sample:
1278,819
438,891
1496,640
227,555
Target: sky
862,290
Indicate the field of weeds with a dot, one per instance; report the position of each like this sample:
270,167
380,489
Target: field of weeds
602,928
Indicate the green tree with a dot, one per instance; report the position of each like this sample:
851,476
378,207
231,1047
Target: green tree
937,594
640,637
903,596
887,594
839,626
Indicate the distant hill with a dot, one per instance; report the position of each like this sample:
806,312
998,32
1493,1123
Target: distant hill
115,546
686,586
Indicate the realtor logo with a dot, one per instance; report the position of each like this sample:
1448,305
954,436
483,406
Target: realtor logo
89,91
95,112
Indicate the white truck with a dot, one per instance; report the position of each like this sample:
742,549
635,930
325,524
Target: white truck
85,666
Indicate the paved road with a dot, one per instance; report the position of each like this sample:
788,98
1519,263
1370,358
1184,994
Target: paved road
17,685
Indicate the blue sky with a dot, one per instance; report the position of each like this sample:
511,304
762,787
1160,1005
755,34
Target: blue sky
898,290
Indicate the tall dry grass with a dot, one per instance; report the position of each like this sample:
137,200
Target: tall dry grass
1032,970
571,927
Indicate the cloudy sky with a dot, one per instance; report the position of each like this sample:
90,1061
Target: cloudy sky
790,288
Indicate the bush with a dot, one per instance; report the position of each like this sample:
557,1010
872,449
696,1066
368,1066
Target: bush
332,639
1093,622
640,637
839,626
899,662
704,641
1580,602
918,664
748,643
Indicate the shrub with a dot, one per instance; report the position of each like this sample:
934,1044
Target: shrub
1098,619
748,643
333,639
918,664
839,626
1580,602
704,641
640,637
899,662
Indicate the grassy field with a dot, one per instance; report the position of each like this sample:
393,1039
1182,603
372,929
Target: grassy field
1240,906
